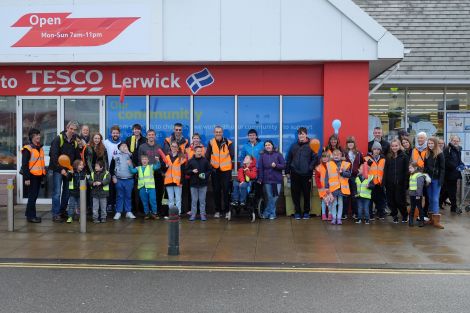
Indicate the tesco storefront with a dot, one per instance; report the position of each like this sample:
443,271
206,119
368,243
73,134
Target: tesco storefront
63,62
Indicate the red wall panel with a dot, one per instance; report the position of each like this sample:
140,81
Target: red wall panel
346,97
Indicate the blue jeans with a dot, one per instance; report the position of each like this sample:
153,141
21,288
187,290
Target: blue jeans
434,189
338,201
174,197
270,210
123,195
74,206
240,192
198,193
362,208
149,198
59,201
323,207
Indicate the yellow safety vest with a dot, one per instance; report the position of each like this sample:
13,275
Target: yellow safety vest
105,187
414,181
146,178
362,187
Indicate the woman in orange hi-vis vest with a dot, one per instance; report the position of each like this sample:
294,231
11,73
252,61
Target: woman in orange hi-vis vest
173,175
33,169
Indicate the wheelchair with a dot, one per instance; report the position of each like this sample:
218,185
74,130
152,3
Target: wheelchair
254,205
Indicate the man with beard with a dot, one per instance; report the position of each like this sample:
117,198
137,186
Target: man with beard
111,145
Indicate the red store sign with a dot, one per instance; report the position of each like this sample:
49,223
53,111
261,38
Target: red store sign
162,80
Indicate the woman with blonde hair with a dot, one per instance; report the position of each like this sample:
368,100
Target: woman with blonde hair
434,166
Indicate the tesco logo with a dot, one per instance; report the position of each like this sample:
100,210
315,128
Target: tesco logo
65,77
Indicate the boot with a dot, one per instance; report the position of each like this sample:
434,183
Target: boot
410,220
437,221
430,222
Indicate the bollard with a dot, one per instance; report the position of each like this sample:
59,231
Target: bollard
173,232
83,206
10,212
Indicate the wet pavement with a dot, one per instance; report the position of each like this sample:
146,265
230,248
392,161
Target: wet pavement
280,241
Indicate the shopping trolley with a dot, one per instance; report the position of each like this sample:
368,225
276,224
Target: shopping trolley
465,190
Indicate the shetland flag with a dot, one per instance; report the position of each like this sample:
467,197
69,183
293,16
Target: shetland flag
199,80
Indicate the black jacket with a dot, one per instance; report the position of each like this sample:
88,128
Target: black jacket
396,170
69,148
135,154
453,159
301,159
435,167
203,166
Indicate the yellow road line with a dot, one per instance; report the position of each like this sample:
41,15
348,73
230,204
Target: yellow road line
197,268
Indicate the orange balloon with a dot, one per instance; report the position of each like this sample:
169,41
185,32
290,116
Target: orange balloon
64,161
315,145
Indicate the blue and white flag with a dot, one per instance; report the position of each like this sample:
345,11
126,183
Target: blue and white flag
199,80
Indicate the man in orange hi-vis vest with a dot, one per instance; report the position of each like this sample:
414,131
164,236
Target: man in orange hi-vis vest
33,169
220,154
418,154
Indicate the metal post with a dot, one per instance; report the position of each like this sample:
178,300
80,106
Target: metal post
173,232
10,212
83,206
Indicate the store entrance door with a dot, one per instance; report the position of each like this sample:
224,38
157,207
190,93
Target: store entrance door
41,113
50,115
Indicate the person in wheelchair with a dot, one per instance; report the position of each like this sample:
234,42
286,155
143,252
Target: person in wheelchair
241,186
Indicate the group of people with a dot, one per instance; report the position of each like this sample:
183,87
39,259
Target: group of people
367,184
137,174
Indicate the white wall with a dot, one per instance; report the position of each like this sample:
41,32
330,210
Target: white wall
210,30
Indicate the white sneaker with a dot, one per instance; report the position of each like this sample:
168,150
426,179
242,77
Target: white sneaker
130,215
217,215
228,215
426,219
117,216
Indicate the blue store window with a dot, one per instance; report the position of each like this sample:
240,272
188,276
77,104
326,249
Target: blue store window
165,111
261,114
131,111
210,111
301,111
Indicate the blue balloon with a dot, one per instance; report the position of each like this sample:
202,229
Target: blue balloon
336,125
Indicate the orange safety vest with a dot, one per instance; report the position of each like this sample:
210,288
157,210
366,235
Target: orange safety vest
36,165
190,152
376,169
335,180
221,159
418,157
173,173
321,189
182,146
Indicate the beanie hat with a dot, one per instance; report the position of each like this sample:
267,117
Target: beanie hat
377,145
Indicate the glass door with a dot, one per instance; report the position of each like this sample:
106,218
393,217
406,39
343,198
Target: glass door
41,113
85,110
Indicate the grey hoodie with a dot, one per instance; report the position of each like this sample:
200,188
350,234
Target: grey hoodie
119,166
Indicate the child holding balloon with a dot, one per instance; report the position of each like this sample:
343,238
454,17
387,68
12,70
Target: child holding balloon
320,180
337,182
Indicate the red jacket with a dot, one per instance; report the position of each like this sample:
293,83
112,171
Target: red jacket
252,171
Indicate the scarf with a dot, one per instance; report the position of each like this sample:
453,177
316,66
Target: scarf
422,147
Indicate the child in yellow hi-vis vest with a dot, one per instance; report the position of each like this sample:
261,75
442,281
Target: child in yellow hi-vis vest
99,184
74,179
146,185
364,194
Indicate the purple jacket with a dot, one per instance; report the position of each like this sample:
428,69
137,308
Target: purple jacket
266,173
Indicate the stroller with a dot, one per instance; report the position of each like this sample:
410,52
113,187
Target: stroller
254,205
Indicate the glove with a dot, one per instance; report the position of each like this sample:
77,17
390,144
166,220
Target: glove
370,162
